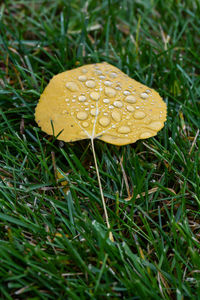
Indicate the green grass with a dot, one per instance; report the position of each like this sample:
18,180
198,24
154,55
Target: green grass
53,244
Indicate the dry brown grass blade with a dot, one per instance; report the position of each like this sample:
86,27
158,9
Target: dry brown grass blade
18,77
125,179
164,282
194,142
151,191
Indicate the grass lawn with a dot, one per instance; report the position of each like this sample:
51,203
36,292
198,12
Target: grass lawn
53,238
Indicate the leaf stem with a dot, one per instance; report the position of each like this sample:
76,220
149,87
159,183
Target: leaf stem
101,191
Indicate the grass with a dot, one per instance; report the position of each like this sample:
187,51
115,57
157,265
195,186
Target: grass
54,243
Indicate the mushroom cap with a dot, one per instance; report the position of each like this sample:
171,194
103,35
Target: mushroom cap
99,101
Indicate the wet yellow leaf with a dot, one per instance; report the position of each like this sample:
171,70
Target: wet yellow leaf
100,101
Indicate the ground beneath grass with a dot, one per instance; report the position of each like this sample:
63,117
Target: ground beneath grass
53,239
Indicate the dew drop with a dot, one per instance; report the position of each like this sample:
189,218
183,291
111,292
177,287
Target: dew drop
94,112
130,99
144,95
108,83
104,121
110,92
130,108
155,125
67,100
94,96
116,116
118,104
147,120
113,75
90,83
102,77
72,86
84,71
82,115
82,78
126,93
81,98
124,129
85,124
82,133
73,100
139,115
111,106
106,100
145,135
